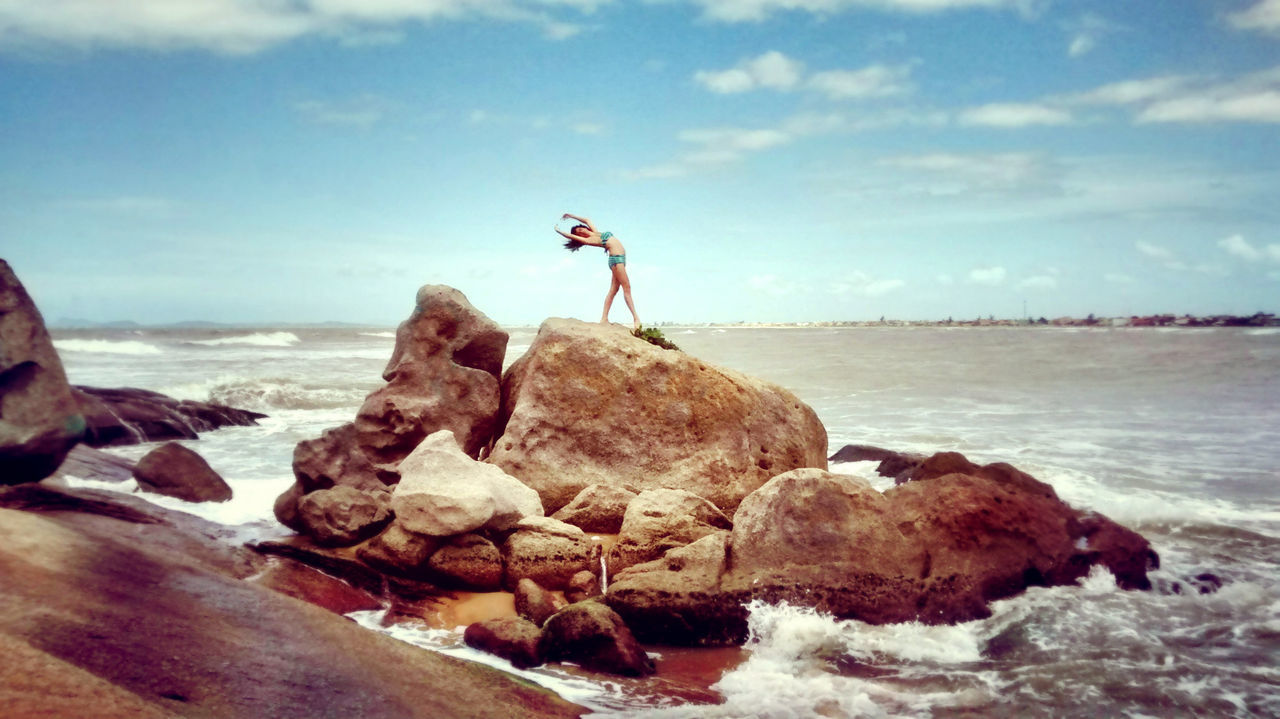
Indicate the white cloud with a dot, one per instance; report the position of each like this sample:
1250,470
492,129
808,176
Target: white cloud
954,174
1254,97
1153,251
757,10
1238,246
1085,33
990,276
1262,106
240,27
1263,16
772,70
1133,91
1038,282
776,71
1015,115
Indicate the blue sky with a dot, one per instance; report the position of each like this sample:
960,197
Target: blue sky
762,160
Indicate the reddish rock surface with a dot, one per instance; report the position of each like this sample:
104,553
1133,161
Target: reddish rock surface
176,471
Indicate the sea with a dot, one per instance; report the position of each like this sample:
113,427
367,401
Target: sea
1173,432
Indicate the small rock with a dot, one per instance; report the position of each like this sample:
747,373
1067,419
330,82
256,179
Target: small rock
582,585
598,508
343,516
535,603
175,471
512,638
398,551
547,551
661,519
468,561
593,636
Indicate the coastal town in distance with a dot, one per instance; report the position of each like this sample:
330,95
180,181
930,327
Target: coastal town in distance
1259,319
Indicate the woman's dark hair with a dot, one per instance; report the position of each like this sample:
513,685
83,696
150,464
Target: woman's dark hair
575,245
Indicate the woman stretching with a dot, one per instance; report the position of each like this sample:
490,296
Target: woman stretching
586,234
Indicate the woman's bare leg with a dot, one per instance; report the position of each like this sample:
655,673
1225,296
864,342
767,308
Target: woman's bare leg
620,279
608,299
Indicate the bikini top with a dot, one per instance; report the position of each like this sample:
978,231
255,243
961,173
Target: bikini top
604,240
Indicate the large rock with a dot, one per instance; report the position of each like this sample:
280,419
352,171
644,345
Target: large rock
400,552
443,492
936,550
512,638
591,404
176,471
343,516
134,416
444,373
468,561
40,420
547,551
593,636
333,459
661,519
535,603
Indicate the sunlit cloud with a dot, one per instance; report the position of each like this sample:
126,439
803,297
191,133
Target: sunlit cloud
757,10
989,276
1014,115
1238,246
1263,16
775,71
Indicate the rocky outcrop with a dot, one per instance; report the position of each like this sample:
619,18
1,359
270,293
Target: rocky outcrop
128,612
176,471
936,550
40,420
469,562
535,603
451,348
444,492
591,404
593,636
512,638
444,374
597,508
133,416
661,519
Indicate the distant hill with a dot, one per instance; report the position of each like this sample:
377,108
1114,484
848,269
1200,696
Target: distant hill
78,323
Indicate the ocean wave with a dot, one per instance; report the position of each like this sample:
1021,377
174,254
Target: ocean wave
1263,332
114,347
391,335
257,339
266,394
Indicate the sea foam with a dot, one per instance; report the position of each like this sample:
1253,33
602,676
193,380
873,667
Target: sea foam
115,347
257,339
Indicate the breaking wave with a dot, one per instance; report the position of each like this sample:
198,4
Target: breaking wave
114,347
257,339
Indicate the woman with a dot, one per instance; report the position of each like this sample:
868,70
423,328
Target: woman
586,234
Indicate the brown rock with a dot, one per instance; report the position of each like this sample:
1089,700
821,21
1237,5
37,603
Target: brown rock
547,551
582,585
662,519
593,636
591,404
535,603
39,419
343,516
468,561
134,416
598,508
512,638
401,552
176,471
444,373
315,587
333,459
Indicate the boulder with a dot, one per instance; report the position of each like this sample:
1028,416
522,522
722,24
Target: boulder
512,638
936,550
593,636
134,416
547,551
468,561
592,404
333,459
444,492
444,373
662,519
597,508
535,603
398,551
343,516
176,471
40,420
862,453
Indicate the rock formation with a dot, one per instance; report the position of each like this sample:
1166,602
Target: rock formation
591,404
39,419
936,550
124,416
173,470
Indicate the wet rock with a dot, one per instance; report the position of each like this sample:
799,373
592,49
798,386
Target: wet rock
133,416
468,561
176,471
333,459
597,508
535,603
315,587
444,492
85,462
591,404
40,420
547,551
661,519
593,636
343,516
862,453
512,638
